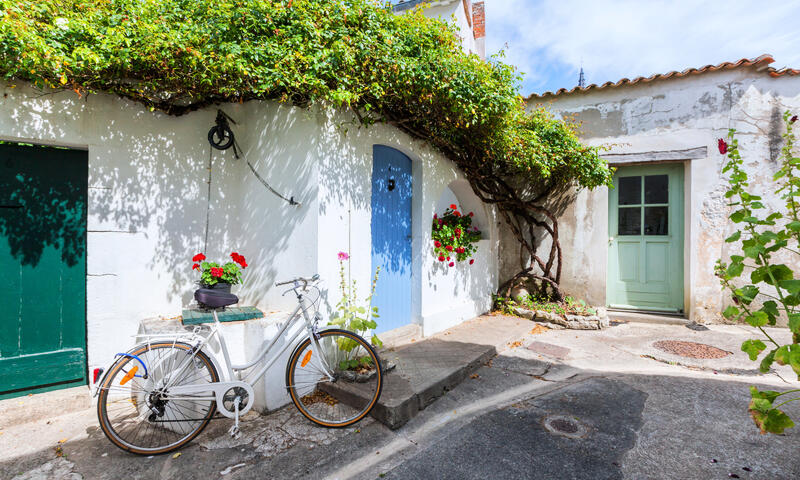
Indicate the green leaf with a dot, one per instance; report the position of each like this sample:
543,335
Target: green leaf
736,236
766,362
753,348
792,286
730,312
794,322
757,318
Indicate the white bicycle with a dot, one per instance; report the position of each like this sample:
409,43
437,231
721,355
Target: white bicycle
161,394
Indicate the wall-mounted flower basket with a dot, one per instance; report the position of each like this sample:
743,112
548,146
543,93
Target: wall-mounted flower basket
454,237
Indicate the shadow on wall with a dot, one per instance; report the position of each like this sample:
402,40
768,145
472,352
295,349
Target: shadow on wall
148,188
467,282
38,206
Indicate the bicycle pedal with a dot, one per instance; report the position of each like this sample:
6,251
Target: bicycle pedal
234,432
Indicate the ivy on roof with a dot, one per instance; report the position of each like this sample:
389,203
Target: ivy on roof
408,70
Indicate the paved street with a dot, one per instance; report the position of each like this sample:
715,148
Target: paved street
523,415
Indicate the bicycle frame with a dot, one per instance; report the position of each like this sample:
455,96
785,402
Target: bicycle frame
182,392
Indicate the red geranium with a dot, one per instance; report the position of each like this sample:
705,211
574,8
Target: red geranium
454,234
239,259
451,264
437,243
723,146
471,261
217,272
212,273
453,206
198,258
449,248
195,266
441,258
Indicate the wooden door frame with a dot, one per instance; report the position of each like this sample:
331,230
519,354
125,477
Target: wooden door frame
680,231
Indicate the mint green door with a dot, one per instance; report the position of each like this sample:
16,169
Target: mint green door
645,258
43,268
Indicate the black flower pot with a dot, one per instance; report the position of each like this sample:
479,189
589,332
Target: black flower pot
220,286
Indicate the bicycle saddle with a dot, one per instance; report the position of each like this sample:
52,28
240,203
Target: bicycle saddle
214,298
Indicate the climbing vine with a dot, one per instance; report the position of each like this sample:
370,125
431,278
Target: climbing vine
406,70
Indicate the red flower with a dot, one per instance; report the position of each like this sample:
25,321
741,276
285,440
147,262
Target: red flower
471,214
198,258
441,258
450,264
437,243
458,232
216,272
449,248
195,266
460,250
471,261
453,206
239,259
793,119
435,216
448,259
456,213
723,146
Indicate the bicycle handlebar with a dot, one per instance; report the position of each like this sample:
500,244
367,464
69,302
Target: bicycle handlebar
304,281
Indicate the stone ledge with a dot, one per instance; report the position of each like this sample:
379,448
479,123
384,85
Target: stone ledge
194,316
574,322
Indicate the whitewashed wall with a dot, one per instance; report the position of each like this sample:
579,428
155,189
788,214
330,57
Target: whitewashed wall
147,211
668,115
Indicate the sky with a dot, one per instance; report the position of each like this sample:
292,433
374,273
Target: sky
549,40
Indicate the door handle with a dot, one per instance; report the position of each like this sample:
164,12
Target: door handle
610,240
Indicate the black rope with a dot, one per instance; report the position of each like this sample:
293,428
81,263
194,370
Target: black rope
221,137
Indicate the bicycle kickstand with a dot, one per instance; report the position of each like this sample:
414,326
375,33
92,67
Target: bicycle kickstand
234,431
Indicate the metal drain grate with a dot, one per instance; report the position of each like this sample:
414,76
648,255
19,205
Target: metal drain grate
690,349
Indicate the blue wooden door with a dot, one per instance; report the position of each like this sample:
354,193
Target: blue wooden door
391,236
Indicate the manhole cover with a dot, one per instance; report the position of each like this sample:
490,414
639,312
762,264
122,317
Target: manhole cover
565,426
690,349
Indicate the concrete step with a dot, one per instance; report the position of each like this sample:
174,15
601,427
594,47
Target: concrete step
428,368
624,316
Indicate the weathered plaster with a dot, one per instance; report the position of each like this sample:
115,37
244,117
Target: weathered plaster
664,116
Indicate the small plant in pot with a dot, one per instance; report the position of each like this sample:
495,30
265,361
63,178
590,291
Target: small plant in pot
219,277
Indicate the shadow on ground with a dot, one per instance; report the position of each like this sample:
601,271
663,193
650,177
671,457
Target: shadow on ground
493,425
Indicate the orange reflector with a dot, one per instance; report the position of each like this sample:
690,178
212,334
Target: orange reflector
306,359
130,375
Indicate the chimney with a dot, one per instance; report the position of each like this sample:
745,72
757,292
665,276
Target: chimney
479,28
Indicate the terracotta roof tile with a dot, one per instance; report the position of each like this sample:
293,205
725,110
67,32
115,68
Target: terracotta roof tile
760,63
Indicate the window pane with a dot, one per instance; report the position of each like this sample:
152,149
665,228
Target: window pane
656,189
630,221
630,190
655,221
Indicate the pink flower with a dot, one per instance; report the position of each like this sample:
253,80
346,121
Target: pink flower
471,261
437,243
450,264
343,256
723,146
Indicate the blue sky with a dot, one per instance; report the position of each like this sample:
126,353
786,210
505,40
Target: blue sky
548,40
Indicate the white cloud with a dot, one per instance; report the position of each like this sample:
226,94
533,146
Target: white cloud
627,38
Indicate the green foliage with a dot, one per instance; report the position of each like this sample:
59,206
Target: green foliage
212,273
570,305
454,236
407,70
773,291
350,314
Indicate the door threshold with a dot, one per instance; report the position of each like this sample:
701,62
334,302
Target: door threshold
646,316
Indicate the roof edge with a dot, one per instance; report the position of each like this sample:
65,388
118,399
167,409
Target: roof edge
760,63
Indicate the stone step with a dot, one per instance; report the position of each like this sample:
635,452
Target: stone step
426,369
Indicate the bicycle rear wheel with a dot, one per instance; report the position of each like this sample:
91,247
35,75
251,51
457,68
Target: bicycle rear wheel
136,412
356,384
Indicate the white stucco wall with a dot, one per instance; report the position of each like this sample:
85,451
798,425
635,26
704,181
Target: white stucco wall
675,114
147,211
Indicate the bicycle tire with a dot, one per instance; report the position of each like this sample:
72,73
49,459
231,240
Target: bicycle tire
352,394
139,417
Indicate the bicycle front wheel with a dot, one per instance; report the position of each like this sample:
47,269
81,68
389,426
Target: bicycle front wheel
356,380
134,407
